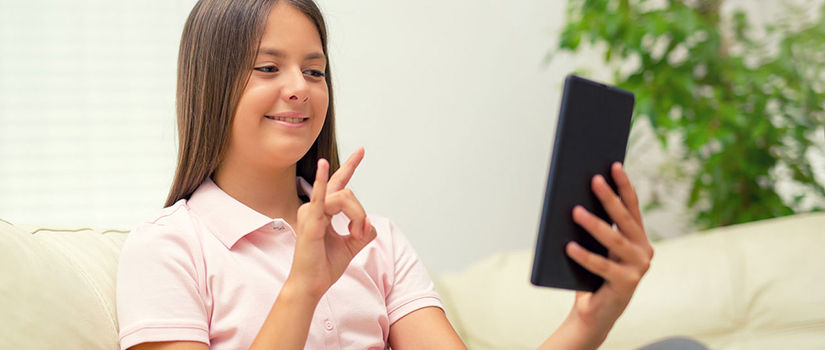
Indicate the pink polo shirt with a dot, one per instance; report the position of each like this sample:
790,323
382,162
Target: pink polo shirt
208,269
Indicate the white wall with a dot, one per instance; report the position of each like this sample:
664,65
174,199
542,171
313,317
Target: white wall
456,110
86,109
451,98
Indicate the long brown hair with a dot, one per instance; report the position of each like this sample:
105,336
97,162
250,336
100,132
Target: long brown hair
217,52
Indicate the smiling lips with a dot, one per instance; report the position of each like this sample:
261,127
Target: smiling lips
286,119
291,119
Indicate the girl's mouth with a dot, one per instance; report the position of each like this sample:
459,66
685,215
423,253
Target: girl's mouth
286,119
290,121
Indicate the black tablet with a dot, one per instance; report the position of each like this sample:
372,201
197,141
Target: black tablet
591,134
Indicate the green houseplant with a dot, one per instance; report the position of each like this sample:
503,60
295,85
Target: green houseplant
748,113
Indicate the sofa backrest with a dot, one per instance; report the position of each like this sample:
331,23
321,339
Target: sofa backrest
57,287
753,286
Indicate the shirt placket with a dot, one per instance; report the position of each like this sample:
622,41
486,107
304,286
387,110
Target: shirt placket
328,324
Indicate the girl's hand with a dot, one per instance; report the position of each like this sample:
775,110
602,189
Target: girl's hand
628,259
322,254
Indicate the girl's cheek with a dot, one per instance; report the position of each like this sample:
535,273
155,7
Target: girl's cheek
321,96
263,93
265,86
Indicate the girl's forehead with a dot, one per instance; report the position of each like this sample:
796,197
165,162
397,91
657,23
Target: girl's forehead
286,26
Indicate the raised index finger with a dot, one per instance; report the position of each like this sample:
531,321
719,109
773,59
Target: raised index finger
341,178
319,188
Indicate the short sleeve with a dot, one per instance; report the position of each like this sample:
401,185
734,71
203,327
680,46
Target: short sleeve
412,288
158,298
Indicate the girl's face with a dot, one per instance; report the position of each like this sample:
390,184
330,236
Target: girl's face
283,108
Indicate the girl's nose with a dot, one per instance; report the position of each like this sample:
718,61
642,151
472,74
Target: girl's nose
296,88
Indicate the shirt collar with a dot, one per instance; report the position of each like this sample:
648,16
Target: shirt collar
227,218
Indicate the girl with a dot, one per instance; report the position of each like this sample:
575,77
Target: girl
246,256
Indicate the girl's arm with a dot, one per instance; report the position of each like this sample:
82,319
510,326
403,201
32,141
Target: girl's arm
630,252
425,328
593,314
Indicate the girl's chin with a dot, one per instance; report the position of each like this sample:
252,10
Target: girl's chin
286,154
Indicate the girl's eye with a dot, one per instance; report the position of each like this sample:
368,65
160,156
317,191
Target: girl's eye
267,69
315,73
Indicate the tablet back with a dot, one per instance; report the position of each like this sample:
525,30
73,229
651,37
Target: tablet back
591,134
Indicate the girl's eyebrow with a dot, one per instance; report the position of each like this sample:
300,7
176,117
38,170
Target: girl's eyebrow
279,54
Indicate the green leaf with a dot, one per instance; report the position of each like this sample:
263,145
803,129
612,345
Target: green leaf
570,39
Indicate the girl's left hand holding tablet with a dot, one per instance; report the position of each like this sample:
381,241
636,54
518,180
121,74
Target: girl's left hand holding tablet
630,252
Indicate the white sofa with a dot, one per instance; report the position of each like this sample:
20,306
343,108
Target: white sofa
752,286
759,285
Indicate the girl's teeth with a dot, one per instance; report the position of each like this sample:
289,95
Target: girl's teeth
288,120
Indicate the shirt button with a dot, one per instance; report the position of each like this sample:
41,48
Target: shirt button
328,325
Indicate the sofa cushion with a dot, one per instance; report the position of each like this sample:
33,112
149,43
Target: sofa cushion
57,289
750,286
